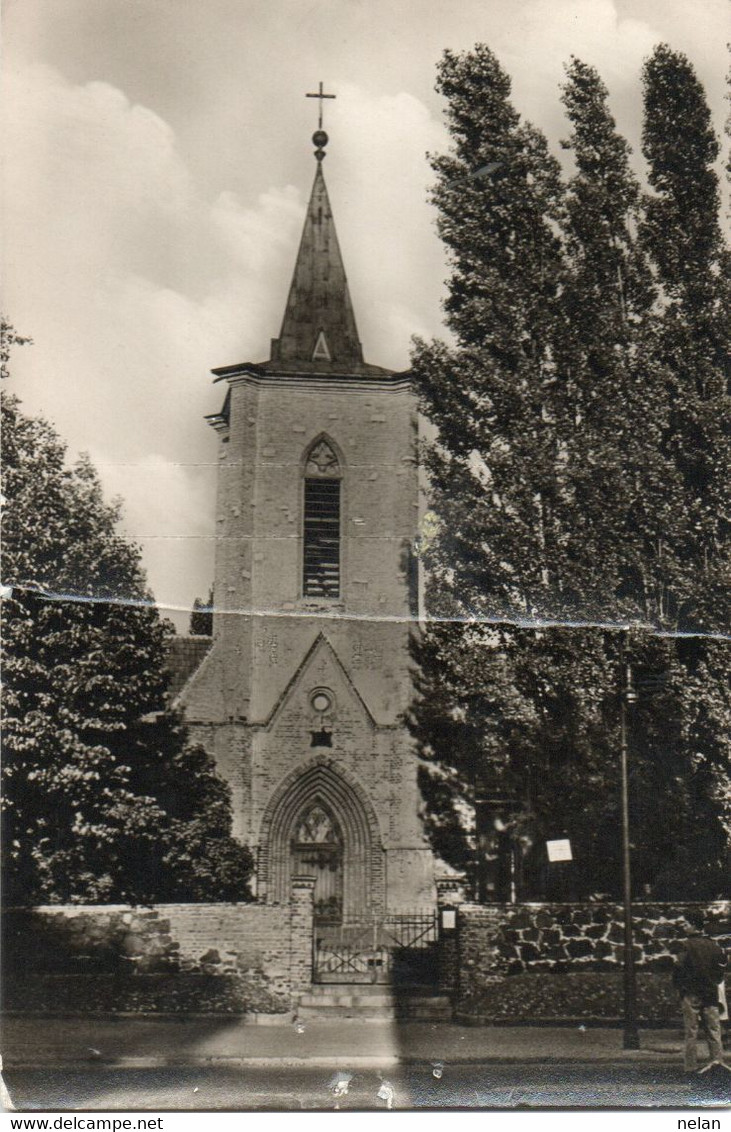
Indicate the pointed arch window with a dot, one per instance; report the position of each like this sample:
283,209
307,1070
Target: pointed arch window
316,827
321,528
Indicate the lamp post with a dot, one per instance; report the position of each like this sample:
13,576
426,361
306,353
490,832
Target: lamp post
626,698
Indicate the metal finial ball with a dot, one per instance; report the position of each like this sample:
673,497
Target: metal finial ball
320,139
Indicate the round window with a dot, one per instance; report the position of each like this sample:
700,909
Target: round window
321,701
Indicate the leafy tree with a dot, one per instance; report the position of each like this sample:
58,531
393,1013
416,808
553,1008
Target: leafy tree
9,337
499,198
682,235
201,617
103,800
624,518
560,500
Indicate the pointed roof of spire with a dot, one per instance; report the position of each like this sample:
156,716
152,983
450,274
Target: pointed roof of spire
319,335
319,324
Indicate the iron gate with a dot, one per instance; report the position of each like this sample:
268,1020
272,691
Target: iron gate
393,948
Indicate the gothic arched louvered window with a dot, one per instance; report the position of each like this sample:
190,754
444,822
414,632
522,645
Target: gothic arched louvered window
321,528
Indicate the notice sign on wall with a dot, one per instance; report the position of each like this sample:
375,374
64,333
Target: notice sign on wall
559,850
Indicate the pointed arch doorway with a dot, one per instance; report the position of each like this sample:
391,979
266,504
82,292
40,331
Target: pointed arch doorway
321,823
317,851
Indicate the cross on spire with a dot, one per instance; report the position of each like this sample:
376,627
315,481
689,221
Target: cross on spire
320,94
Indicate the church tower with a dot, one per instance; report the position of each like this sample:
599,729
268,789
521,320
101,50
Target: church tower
301,694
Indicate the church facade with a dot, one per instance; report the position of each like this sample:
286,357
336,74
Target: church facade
301,695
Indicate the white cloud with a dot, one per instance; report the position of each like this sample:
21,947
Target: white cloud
151,222
549,32
132,285
169,512
277,217
378,185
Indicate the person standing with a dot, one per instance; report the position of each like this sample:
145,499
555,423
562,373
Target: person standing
697,975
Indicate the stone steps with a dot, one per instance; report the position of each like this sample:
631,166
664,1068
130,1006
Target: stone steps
325,990
379,1003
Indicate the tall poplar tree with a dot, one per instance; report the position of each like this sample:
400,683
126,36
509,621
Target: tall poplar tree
682,236
625,497
558,497
499,197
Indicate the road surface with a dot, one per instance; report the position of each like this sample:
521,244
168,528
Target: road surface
459,1086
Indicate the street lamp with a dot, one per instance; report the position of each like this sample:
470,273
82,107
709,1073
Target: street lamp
627,697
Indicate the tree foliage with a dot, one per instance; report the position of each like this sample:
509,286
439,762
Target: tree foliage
561,483
9,337
682,235
201,616
103,799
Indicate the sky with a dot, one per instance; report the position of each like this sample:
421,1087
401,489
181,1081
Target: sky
158,166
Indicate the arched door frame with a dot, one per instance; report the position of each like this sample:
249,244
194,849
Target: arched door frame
326,781
317,850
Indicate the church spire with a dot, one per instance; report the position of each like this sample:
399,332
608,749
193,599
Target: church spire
319,324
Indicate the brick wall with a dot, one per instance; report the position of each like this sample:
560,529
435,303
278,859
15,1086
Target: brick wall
450,896
300,933
565,960
249,703
237,958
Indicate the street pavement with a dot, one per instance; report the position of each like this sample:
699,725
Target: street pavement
191,1063
158,1042
459,1086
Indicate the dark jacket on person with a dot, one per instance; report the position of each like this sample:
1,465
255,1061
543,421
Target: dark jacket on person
700,969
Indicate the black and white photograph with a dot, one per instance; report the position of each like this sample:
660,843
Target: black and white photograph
366,587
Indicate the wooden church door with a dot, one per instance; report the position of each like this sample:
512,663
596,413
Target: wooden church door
317,851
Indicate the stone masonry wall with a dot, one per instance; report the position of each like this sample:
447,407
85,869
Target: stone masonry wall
550,960
199,957
249,702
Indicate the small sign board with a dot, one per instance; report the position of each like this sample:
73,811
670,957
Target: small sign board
449,919
559,850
